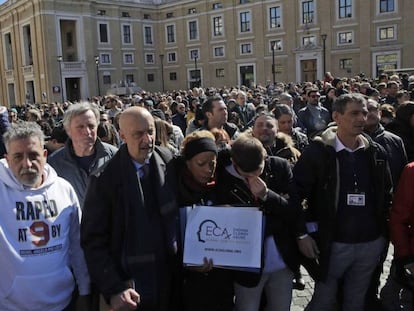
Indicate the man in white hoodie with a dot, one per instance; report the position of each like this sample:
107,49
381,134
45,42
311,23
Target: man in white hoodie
39,229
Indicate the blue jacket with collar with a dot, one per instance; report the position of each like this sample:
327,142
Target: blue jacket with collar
316,181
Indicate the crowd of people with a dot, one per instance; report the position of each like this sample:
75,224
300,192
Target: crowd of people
93,194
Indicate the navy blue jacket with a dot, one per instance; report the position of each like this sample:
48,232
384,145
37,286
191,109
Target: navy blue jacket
316,182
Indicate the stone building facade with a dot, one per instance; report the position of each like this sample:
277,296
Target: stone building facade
53,50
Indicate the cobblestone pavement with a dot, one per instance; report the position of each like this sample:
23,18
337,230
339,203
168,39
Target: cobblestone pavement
301,298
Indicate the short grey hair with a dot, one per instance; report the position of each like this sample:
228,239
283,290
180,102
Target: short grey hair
285,96
22,130
78,109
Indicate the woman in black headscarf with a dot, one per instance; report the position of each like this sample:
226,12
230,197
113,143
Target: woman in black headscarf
204,287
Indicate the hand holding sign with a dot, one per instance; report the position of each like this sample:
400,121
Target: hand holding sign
229,237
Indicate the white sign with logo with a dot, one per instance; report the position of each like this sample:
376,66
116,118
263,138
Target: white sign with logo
231,236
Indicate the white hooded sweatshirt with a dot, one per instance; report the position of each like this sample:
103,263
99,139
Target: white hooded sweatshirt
39,243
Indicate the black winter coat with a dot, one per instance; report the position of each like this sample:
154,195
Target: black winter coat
394,146
117,244
212,291
280,216
316,182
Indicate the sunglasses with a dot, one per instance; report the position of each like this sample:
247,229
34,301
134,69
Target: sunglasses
315,96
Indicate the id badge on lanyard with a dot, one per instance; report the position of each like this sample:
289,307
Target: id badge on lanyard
356,199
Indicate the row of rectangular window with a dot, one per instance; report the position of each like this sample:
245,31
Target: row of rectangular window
275,21
194,74
346,37
344,63
344,9
103,31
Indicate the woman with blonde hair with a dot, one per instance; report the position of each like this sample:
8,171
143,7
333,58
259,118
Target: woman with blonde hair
163,133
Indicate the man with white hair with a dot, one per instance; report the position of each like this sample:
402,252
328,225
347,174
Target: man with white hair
245,110
179,118
84,153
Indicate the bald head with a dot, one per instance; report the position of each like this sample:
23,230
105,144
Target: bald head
135,113
137,130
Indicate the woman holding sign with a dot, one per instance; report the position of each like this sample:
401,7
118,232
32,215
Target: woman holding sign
204,287
253,179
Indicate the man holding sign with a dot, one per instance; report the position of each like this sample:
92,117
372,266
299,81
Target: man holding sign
252,179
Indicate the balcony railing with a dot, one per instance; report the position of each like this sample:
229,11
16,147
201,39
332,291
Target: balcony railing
27,69
73,66
9,73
